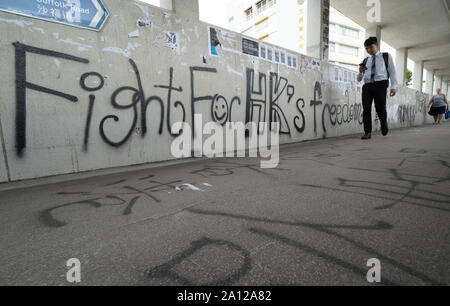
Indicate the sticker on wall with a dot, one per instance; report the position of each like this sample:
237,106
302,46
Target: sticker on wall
305,63
221,41
169,39
214,41
315,64
172,40
250,47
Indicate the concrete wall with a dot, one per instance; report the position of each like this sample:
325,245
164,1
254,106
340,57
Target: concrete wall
46,134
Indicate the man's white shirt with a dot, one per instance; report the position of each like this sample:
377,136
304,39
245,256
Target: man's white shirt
381,73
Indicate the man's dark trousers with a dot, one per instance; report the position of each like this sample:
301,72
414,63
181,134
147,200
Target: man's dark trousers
374,91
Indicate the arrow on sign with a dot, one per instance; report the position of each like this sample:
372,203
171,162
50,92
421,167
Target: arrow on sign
99,15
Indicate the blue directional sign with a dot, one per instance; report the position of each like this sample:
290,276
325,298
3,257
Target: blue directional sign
87,14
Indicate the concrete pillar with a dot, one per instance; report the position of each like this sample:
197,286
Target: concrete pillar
418,75
433,81
186,8
445,87
166,4
429,82
401,63
375,31
437,83
316,33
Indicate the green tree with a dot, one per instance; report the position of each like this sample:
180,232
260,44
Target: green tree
409,77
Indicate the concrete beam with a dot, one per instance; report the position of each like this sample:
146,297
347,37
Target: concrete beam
401,63
418,75
442,72
437,83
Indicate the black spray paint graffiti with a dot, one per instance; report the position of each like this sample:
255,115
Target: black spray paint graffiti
316,102
221,110
407,114
170,88
22,85
138,97
338,114
263,100
91,102
256,98
256,102
168,270
277,87
124,195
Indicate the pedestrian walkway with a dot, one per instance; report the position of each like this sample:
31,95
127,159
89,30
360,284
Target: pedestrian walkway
317,219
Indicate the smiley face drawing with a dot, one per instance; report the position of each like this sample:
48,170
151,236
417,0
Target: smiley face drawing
219,110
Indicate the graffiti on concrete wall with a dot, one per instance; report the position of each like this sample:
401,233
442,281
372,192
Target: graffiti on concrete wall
268,99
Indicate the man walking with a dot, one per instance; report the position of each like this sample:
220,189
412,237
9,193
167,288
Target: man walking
376,70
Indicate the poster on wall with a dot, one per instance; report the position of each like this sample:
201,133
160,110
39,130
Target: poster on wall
221,41
315,64
250,47
213,40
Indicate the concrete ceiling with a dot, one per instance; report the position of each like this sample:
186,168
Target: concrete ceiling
423,26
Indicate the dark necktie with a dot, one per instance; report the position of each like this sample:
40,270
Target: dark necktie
374,69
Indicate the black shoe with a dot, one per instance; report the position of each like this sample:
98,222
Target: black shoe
385,130
367,136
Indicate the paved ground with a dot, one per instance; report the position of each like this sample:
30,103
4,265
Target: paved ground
316,220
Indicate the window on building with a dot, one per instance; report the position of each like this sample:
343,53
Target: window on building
349,32
349,50
332,47
249,13
261,6
271,2
332,28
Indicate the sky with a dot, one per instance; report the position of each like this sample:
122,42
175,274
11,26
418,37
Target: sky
211,11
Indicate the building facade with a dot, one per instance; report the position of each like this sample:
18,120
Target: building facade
284,23
346,41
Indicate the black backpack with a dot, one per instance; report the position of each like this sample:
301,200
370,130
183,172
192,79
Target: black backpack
386,62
